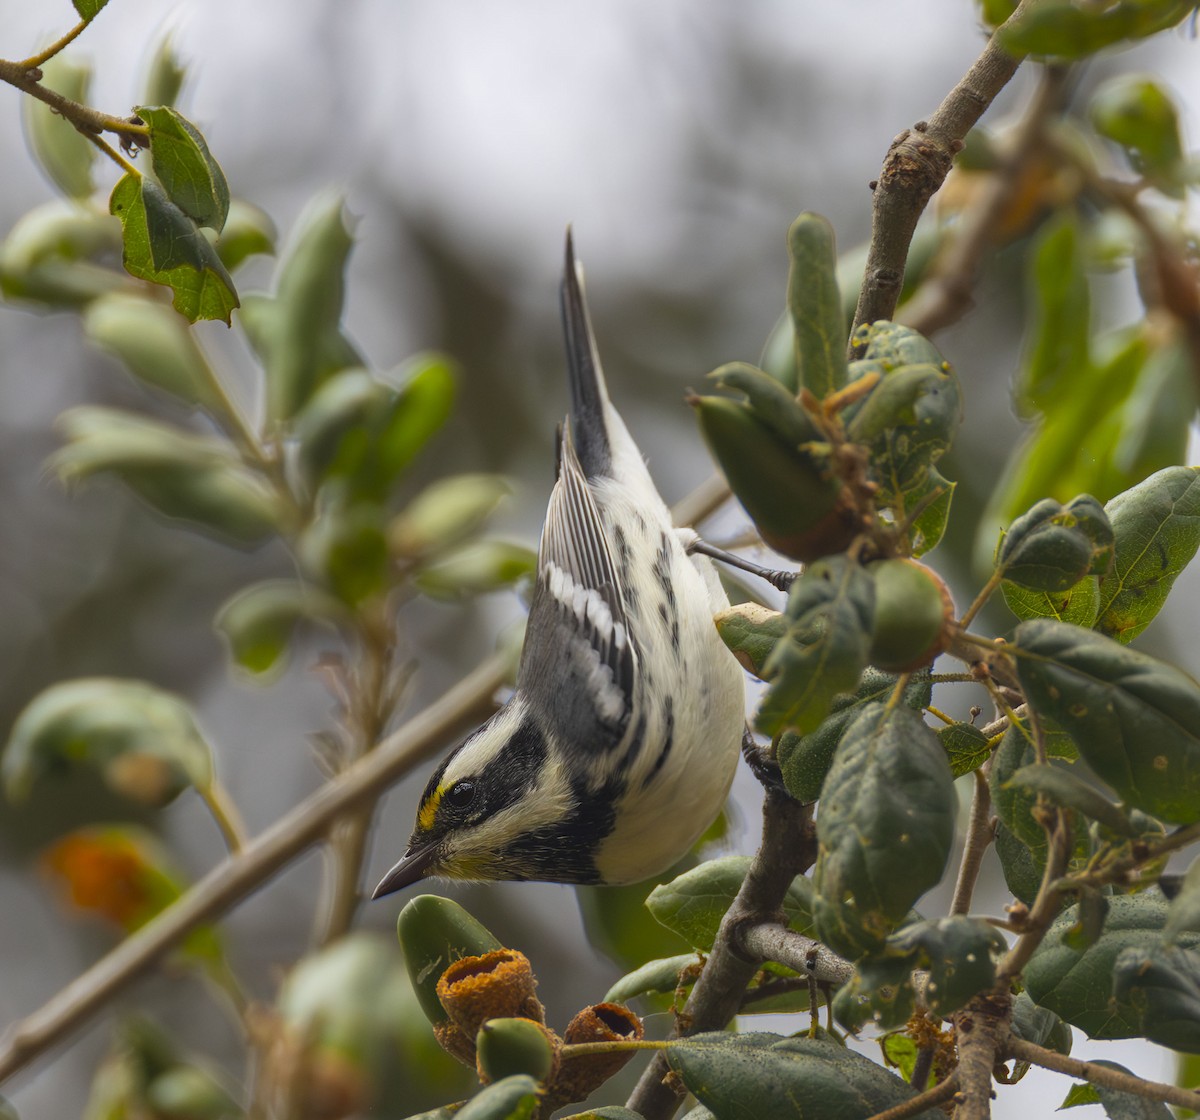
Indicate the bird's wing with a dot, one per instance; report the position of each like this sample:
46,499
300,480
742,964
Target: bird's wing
579,660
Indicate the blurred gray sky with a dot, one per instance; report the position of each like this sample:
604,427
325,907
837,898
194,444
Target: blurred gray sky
680,138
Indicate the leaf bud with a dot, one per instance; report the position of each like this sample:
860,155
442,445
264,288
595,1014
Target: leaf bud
799,508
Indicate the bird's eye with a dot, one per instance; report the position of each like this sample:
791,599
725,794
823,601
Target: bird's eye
461,794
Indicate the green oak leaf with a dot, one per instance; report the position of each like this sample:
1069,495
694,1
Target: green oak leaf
1076,982
750,1076
185,167
163,245
1156,526
830,616
1135,720
885,828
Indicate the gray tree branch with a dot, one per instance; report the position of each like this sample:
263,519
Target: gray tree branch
1101,1075
915,166
946,294
936,1095
788,849
462,706
770,941
978,1029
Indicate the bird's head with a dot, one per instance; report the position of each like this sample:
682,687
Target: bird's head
493,810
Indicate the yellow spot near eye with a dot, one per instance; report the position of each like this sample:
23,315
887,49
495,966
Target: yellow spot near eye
469,868
429,810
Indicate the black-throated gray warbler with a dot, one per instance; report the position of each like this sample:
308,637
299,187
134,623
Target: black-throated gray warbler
620,742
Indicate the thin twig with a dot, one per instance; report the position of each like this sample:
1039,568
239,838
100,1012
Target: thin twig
1115,871
981,829
770,989
231,418
1101,1075
365,721
224,812
788,849
43,56
922,1065
702,502
999,726
342,893
112,153
770,941
1040,754
1176,285
953,678
915,167
83,117
984,595
463,705
1046,904
914,1106
946,294
611,1046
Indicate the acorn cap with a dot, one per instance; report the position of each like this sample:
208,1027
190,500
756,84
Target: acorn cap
579,1077
459,1046
496,985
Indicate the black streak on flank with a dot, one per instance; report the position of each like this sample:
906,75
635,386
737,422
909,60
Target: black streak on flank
668,741
636,741
622,547
669,611
629,590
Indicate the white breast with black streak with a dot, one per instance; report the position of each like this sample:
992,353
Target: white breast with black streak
619,745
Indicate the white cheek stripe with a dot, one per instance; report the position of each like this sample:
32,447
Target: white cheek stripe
482,749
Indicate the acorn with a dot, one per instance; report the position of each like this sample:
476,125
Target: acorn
913,608
504,1047
434,932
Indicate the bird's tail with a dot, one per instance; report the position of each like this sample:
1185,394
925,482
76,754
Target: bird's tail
589,429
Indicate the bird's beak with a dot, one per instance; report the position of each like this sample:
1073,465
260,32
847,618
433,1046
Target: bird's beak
414,866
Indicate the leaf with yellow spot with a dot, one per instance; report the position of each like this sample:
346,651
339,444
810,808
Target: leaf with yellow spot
1157,529
1135,720
885,828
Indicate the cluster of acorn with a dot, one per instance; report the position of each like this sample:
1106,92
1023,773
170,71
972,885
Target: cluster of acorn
817,476
481,999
